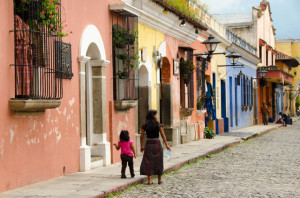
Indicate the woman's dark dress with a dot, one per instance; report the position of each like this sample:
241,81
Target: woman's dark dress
152,163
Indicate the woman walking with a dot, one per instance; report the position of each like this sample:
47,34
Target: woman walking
152,163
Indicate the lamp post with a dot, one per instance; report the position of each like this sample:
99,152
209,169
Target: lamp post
211,45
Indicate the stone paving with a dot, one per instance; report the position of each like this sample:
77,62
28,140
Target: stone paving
268,166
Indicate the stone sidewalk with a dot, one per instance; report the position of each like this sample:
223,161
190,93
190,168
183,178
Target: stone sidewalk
101,181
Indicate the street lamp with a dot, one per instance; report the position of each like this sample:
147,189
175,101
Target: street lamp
211,44
233,58
262,73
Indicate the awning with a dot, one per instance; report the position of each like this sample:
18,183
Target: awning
276,75
288,60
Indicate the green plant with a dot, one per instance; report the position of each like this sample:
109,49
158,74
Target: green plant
200,102
187,8
123,74
186,69
209,133
129,60
48,14
122,37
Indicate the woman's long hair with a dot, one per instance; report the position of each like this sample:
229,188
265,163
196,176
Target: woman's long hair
151,123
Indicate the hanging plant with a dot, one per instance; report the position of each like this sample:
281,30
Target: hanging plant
48,14
130,61
186,68
122,38
201,102
123,74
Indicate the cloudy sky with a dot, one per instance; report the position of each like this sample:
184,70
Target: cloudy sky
285,13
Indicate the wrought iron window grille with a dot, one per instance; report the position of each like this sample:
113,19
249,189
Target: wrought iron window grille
40,55
125,57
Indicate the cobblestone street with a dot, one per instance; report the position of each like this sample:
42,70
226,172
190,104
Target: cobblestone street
267,166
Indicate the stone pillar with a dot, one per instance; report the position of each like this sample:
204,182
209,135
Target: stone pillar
85,150
100,145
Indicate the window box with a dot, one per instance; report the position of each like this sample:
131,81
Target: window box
201,112
185,112
124,105
33,105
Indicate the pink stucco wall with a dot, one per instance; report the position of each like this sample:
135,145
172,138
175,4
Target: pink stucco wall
172,50
34,148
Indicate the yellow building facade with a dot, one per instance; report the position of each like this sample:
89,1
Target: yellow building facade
291,47
150,39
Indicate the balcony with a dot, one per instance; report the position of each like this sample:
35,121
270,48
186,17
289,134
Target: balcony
277,75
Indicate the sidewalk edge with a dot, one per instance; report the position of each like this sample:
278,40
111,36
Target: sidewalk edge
170,169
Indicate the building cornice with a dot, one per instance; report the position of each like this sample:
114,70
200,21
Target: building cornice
245,54
288,41
125,8
152,16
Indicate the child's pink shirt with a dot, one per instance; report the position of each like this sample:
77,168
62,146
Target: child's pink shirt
125,147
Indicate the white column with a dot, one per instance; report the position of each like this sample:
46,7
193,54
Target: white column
85,150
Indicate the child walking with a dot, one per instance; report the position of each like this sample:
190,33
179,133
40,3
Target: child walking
127,152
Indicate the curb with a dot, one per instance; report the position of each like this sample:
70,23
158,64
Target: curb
261,134
168,170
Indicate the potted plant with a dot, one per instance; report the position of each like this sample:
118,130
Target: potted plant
200,102
208,133
131,36
122,37
186,68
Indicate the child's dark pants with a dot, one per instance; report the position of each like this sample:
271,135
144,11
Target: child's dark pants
125,158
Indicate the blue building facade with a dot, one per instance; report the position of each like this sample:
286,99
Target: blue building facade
240,94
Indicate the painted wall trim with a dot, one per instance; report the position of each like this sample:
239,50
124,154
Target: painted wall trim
152,17
91,35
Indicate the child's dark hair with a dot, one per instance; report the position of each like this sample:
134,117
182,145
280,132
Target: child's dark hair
124,136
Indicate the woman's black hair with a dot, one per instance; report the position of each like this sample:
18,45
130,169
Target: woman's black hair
124,136
151,123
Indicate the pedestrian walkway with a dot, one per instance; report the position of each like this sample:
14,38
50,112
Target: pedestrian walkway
104,180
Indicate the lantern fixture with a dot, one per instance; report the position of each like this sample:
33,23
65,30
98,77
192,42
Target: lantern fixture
233,58
262,73
211,44
182,23
165,11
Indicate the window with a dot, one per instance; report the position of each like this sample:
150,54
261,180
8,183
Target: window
272,59
125,58
242,91
250,93
187,81
267,58
40,55
260,52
